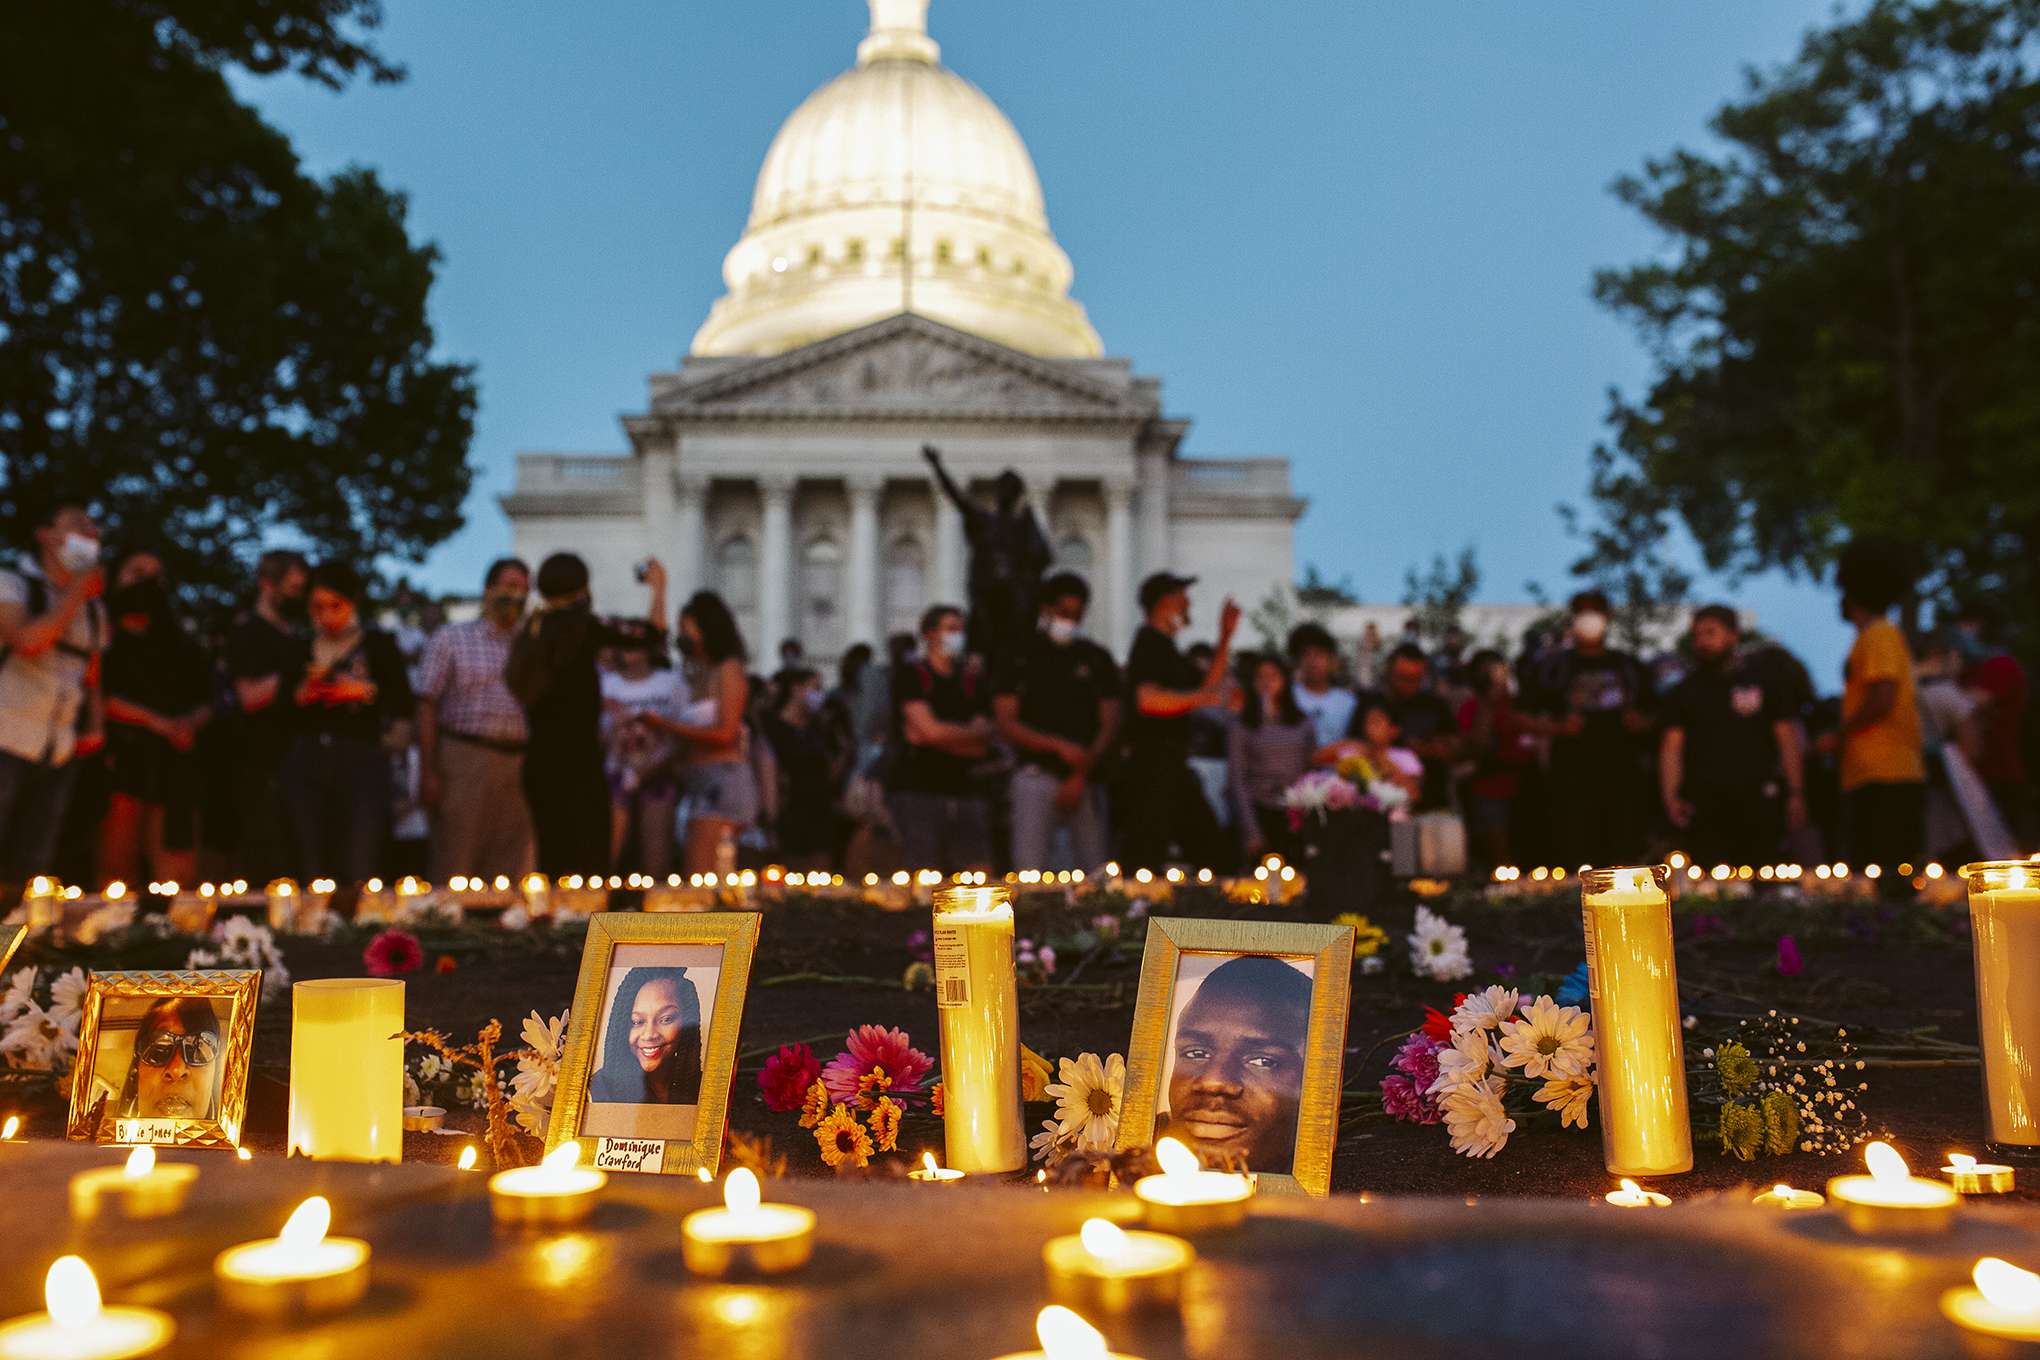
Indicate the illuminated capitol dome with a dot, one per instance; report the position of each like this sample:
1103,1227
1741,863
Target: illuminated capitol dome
897,285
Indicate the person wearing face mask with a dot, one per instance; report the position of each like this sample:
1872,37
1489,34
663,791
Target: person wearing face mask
1168,815
259,645
158,699
810,766
1055,699
1595,704
941,727
52,629
472,735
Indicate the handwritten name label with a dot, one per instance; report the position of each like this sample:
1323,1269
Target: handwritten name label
630,1154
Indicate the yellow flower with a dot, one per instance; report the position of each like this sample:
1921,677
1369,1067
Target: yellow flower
815,1105
1367,937
1035,1074
935,1098
841,1138
885,1124
874,1080
1356,770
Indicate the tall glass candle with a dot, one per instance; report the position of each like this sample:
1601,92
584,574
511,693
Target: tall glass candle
2004,927
980,1010
347,1069
1634,989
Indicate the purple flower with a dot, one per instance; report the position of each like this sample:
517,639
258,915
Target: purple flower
1406,1101
1789,962
1418,1058
922,946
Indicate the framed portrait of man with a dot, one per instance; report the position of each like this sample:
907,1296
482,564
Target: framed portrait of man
651,1047
1239,1041
163,1057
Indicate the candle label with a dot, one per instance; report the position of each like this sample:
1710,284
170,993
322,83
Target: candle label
630,1154
1593,971
952,970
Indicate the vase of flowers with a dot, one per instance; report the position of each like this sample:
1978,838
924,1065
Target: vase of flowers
1342,816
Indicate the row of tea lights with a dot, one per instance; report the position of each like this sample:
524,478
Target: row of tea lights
304,1272
1888,1201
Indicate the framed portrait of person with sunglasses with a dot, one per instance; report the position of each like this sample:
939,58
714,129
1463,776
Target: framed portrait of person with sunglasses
163,1057
1239,1040
651,1048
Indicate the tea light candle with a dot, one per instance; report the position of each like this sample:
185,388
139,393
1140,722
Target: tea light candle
1186,1198
1065,1336
76,1327
745,1234
347,1069
1105,1268
537,895
555,1193
2004,1306
1634,987
936,1175
1785,1197
299,1271
1891,1200
145,1190
979,1008
424,1118
1971,1178
1634,1196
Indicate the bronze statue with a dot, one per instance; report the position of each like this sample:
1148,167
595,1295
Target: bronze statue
1007,557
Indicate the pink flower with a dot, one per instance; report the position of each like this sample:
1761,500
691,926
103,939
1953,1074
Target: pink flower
391,953
787,1076
1407,1101
1418,1058
876,1050
1789,962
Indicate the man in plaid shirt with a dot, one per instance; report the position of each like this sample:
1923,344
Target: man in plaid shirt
471,738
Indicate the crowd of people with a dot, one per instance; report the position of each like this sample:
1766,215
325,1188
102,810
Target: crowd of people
305,739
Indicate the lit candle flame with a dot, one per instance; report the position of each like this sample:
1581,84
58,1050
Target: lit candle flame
467,1157
2007,1286
10,1128
702,1173
740,1190
1630,1187
564,1157
1176,1159
244,1154
1065,1336
1961,1161
1102,1238
140,1162
307,1227
1782,1191
1884,1162
72,1295
928,1161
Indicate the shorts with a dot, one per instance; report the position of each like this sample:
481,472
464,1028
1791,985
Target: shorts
724,791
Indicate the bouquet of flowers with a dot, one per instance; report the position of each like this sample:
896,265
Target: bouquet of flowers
1490,1060
1354,784
855,1103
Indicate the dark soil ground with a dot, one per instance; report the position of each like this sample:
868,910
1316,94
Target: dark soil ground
1892,976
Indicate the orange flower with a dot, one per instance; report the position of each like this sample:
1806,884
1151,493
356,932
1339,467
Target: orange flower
1036,1072
843,1139
885,1124
445,964
939,1108
874,1080
815,1106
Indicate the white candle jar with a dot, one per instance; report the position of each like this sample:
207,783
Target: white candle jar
2004,932
1633,988
979,1005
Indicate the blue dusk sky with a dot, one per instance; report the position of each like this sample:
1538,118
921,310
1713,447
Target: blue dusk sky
1361,235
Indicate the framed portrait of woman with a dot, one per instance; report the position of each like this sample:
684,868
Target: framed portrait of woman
163,1057
651,1047
1239,1042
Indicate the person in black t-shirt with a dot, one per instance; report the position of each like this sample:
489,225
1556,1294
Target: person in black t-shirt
1167,814
941,727
158,698
1595,704
1056,701
259,647
1729,751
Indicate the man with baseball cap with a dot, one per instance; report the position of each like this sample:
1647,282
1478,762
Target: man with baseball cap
1167,809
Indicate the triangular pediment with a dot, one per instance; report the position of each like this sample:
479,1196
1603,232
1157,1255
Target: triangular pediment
907,366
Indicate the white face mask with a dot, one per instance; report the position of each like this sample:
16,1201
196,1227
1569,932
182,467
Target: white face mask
79,553
1590,627
952,644
814,699
1060,630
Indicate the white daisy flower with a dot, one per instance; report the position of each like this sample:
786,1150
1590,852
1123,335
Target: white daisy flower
1550,1041
31,1041
19,995
1438,948
1463,1061
1475,1118
545,1036
67,996
1088,1098
1484,1010
1569,1096
1047,1144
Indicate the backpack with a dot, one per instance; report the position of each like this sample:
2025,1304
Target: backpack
39,604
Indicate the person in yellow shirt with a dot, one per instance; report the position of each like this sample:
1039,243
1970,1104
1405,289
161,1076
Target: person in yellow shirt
1883,772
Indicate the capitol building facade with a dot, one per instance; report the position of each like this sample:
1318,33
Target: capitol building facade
897,285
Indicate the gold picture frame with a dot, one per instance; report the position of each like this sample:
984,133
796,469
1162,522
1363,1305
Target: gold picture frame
117,1007
633,1135
1328,952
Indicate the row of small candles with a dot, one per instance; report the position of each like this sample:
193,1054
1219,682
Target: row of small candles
1890,1200
1722,873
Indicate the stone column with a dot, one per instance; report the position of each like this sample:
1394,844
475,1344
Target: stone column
775,567
949,551
1156,553
685,573
861,581
659,503
1122,612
